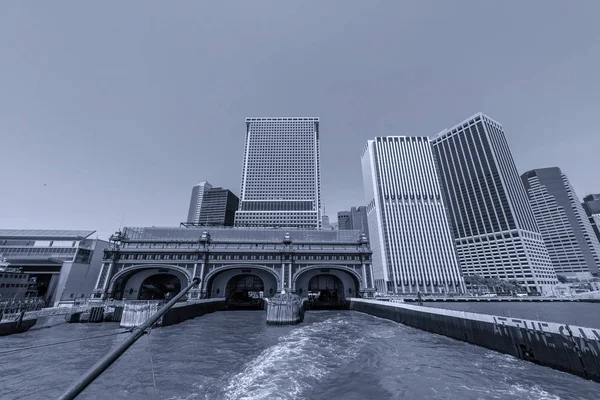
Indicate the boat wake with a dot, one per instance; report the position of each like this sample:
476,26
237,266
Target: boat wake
300,359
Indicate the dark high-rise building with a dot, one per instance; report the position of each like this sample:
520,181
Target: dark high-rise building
218,207
493,225
212,206
591,206
568,235
355,219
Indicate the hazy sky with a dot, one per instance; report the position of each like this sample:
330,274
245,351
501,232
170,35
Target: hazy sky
118,108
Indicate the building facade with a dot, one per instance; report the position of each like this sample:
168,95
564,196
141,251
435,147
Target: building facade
281,180
413,249
266,260
198,193
212,206
591,206
491,219
15,284
354,219
64,263
565,228
218,208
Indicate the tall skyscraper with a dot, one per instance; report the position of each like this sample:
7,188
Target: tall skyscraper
281,180
591,206
212,206
355,218
410,237
198,192
568,235
493,225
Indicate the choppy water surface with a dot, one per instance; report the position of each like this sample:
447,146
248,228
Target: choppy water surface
234,355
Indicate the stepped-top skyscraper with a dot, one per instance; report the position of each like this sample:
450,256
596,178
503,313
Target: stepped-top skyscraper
591,205
565,227
493,225
281,180
412,245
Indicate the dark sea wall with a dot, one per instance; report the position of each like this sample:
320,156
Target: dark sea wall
8,328
185,311
572,349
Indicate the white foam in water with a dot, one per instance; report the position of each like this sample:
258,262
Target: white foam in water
530,392
299,359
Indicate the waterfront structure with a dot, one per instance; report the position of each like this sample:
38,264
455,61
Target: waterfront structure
491,219
281,180
149,262
15,284
591,206
64,263
565,228
411,241
355,218
212,206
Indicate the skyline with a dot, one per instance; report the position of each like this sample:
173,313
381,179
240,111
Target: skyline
124,121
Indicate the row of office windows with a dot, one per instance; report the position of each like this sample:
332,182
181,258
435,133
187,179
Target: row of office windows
176,257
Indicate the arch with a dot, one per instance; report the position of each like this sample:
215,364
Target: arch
344,268
349,278
215,282
178,271
158,286
223,268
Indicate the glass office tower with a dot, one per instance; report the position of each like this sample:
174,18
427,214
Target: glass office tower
493,225
566,230
412,246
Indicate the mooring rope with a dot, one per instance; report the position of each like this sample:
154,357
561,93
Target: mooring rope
152,364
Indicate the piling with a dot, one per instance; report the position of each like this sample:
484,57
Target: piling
284,309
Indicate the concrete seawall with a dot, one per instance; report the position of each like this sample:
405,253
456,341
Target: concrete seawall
572,349
184,311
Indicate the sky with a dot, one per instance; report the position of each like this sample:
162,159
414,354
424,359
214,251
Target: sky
111,111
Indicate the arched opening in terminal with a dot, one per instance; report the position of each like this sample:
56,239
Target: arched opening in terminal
159,287
326,291
151,283
245,291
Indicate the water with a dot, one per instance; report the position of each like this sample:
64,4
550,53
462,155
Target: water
582,314
235,355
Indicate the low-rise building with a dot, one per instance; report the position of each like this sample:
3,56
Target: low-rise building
150,262
15,284
64,263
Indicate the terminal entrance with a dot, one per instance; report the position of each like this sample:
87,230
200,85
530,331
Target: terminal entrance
245,292
159,287
326,292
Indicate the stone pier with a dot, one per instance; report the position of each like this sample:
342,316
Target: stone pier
573,349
